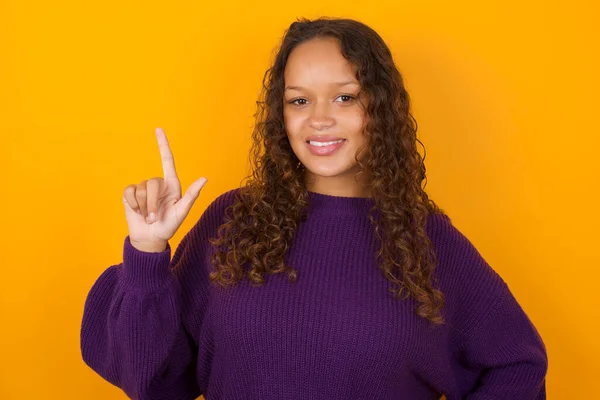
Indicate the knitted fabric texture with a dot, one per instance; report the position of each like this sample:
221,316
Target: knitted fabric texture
159,329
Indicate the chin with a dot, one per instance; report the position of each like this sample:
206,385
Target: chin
326,170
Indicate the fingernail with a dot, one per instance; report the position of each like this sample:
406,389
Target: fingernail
151,216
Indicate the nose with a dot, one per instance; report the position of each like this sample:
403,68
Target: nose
321,117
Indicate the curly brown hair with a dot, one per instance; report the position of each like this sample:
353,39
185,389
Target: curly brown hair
260,224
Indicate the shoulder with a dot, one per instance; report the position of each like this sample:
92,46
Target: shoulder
463,273
479,305
444,234
192,255
192,258
195,243
221,202
454,248
214,214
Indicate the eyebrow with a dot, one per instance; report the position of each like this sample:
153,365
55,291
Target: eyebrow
339,84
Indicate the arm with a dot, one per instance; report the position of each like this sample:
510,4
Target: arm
509,354
132,332
496,352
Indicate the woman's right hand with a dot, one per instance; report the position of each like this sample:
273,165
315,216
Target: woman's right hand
162,198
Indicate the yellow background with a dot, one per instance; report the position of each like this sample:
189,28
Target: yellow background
505,94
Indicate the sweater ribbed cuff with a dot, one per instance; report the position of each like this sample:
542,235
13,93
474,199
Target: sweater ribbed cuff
143,270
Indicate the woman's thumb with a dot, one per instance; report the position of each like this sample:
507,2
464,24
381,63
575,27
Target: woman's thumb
190,196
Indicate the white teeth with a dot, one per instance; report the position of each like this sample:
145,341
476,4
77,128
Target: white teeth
321,144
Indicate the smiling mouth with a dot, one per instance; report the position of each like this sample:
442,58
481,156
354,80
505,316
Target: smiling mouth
324,148
323,144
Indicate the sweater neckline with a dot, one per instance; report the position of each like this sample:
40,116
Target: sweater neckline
320,202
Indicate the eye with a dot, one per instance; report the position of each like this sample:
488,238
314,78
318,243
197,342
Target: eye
348,98
295,101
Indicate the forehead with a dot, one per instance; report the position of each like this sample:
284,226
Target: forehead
317,61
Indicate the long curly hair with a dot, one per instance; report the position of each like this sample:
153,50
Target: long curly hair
260,224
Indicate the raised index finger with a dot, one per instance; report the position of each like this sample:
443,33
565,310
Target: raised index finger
168,163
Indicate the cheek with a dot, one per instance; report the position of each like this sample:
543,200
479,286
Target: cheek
355,125
293,124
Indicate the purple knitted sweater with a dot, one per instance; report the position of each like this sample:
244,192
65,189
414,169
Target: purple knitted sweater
159,329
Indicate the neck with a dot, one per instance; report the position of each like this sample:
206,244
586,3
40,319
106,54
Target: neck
349,185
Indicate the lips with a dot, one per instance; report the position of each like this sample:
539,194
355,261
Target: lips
323,138
324,150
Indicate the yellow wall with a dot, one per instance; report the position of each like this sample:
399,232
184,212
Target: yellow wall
505,94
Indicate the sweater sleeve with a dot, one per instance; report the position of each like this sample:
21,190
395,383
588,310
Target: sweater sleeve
509,354
133,333
496,351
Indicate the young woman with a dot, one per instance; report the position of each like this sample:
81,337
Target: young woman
329,275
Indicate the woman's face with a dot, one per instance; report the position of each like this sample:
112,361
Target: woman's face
322,114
